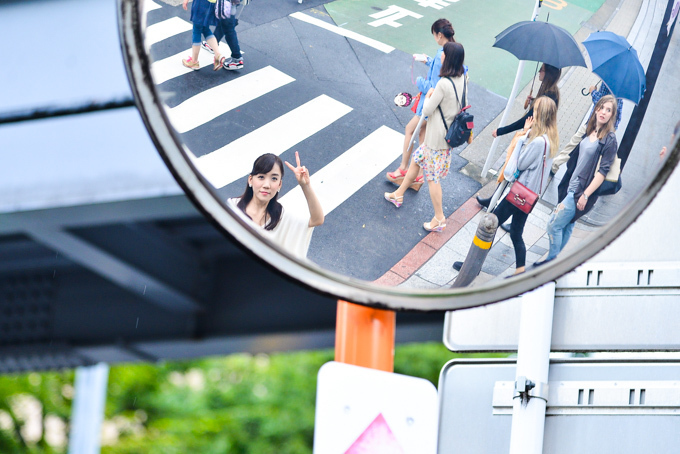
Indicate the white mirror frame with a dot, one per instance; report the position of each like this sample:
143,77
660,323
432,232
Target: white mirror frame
198,190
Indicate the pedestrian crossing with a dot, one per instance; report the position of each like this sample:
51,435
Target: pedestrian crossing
166,29
210,104
345,171
349,172
167,68
235,159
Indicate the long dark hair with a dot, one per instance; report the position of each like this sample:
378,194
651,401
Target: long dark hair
549,84
263,165
444,27
454,56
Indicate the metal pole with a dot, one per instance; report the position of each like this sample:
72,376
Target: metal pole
533,360
511,99
87,413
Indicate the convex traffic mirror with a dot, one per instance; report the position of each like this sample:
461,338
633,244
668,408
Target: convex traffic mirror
324,88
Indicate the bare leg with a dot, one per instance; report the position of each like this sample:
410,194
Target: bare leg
214,45
413,171
194,52
436,196
408,135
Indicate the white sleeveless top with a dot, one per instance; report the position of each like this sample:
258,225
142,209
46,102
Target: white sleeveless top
293,232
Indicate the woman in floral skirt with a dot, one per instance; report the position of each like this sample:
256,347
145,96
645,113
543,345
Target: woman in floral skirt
434,154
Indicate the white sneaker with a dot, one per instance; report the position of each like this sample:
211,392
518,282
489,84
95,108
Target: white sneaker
233,63
205,46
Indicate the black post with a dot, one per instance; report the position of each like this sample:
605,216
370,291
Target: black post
651,76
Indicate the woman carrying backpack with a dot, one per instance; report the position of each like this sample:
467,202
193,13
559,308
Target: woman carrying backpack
434,154
442,32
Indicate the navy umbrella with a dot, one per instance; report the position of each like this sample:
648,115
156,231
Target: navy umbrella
541,42
617,64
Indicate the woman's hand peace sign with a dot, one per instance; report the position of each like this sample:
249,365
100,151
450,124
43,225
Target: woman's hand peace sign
301,172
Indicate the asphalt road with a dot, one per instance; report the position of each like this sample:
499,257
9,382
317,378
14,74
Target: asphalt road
363,236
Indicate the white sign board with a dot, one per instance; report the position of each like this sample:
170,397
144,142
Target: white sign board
361,411
598,307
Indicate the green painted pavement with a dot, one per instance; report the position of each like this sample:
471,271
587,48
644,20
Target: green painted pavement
476,24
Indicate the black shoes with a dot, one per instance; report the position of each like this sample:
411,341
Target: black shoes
506,227
484,202
542,262
457,265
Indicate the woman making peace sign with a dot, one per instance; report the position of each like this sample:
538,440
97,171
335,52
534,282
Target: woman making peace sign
259,202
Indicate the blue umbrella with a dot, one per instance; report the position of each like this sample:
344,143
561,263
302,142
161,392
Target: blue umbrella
617,64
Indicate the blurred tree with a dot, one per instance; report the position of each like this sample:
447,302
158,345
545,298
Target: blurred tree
254,404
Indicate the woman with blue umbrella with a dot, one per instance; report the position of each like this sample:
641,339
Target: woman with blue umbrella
618,65
587,168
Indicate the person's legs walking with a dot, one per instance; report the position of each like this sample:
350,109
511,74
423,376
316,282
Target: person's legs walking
212,42
438,223
557,225
397,197
396,176
228,28
519,219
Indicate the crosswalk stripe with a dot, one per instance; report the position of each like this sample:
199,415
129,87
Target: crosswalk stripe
212,103
344,32
171,67
149,5
350,171
231,162
165,29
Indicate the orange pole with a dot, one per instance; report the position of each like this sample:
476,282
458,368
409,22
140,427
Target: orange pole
365,336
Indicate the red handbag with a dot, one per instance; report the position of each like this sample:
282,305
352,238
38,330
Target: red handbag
521,196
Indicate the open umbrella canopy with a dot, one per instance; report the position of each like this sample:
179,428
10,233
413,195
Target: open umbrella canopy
542,42
617,64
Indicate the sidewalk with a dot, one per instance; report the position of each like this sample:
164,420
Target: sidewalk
429,264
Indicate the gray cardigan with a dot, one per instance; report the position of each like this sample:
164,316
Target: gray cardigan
528,159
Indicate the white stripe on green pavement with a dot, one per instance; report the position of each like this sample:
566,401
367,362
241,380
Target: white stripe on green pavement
344,32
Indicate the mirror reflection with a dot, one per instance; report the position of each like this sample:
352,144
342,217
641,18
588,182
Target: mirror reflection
351,102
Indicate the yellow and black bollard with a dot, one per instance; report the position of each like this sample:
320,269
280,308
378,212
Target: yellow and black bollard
481,243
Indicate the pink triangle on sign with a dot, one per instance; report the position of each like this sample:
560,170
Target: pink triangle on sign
376,439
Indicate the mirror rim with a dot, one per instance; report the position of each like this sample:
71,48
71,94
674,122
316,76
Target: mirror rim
307,273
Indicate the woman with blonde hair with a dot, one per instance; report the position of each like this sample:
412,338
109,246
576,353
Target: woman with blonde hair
578,189
529,164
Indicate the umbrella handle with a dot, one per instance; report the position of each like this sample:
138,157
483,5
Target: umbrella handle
585,92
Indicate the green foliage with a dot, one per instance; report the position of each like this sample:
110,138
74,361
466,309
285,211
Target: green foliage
237,404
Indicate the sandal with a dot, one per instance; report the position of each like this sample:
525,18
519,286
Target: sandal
396,201
417,184
191,64
397,176
218,62
441,225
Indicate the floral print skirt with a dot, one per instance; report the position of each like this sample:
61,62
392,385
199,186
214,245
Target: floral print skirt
435,163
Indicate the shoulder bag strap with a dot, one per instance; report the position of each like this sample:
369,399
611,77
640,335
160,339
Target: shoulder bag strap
545,152
459,102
